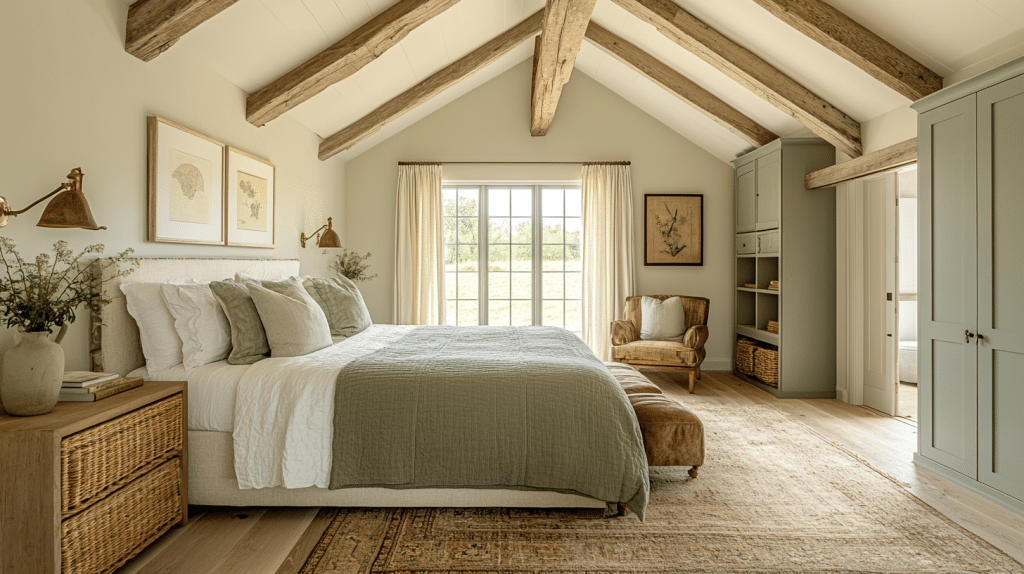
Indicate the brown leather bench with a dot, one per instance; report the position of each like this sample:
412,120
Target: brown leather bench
673,436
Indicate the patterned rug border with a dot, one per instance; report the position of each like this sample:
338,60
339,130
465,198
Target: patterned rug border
326,539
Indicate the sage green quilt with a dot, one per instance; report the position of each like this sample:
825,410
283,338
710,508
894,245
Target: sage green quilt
526,408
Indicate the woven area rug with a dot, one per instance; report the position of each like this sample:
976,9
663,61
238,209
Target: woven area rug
772,497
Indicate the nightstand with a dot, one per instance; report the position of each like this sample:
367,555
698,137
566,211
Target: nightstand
91,484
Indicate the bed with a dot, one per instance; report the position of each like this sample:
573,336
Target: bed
236,460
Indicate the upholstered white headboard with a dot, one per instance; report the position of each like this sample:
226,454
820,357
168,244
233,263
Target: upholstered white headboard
115,336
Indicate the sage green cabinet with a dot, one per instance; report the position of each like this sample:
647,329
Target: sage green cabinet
971,322
787,234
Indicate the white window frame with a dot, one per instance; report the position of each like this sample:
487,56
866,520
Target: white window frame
537,242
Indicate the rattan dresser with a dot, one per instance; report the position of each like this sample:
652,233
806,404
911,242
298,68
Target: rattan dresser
89,485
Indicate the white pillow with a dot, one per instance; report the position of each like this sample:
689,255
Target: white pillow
295,324
202,327
160,342
662,320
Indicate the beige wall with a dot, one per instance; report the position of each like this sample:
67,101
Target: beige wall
71,96
492,123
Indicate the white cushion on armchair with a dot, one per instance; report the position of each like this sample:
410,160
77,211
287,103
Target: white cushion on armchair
662,320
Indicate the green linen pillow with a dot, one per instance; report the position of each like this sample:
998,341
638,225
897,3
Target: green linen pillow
248,338
341,302
294,323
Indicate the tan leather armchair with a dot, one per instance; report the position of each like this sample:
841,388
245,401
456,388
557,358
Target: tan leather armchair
627,347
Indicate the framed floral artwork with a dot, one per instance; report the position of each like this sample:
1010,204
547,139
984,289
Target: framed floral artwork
250,200
674,229
186,185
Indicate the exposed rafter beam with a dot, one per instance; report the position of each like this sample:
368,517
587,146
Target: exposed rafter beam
865,49
892,157
432,86
565,23
155,25
752,72
342,59
681,87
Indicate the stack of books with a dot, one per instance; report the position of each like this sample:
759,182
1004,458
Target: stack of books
774,285
89,386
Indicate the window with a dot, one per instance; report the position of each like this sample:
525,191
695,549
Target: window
513,255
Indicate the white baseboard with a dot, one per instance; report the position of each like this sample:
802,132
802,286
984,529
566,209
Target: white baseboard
717,365
842,395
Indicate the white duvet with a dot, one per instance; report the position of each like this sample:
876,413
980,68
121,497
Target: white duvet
284,411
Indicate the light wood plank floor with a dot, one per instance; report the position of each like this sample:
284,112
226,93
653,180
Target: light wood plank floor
260,540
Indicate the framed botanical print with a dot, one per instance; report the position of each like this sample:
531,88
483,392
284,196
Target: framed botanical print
250,200
186,185
674,229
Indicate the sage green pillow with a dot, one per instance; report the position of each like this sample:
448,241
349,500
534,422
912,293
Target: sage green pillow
248,338
342,304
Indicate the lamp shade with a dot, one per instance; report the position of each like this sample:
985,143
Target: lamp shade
68,209
329,238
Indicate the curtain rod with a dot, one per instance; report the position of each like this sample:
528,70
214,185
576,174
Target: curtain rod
516,162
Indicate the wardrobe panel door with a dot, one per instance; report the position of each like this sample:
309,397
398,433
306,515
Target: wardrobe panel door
746,181
769,190
1000,273
947,160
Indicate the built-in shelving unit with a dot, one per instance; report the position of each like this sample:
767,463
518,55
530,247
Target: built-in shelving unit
786,234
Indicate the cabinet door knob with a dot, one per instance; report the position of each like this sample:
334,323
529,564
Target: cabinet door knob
968,336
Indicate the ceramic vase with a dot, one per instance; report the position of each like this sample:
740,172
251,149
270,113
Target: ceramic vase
31,376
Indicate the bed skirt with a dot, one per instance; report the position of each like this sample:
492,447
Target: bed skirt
211,482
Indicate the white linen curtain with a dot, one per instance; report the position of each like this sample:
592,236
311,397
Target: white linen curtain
609,273
419,250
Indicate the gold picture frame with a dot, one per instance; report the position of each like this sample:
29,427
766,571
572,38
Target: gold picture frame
674,229
251,192
186,185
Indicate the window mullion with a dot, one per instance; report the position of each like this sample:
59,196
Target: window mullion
538,267
482,252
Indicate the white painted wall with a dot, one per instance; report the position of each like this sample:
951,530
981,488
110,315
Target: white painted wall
71,97
492,123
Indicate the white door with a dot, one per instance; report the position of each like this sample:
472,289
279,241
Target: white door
880,340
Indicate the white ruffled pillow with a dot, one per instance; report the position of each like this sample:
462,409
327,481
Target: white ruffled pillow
160,342
204,334
662,320
295,324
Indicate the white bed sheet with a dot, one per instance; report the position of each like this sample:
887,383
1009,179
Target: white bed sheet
212,390
284,412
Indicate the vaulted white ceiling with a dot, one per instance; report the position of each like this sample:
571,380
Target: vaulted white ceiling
255,41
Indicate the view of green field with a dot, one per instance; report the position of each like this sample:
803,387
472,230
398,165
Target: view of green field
510,261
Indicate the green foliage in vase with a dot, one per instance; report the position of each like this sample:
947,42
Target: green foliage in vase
351,265
41,295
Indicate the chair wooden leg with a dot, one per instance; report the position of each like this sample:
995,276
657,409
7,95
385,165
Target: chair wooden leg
693,377
698,373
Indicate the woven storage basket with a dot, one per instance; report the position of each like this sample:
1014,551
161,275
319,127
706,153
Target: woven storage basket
745,356
103,537
766,366
105,457
773,327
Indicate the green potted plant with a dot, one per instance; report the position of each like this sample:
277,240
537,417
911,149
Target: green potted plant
35,297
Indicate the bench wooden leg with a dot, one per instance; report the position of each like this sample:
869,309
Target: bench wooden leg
693,472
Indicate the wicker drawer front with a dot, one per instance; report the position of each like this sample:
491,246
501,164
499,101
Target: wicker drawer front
103,537
105,457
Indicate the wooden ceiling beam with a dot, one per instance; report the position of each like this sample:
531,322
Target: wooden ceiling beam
342,59
153,26
680,86
565,23
862,47
432,86
750,71
892,157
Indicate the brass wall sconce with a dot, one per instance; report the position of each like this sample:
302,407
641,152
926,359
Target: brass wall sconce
329,238
69,209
